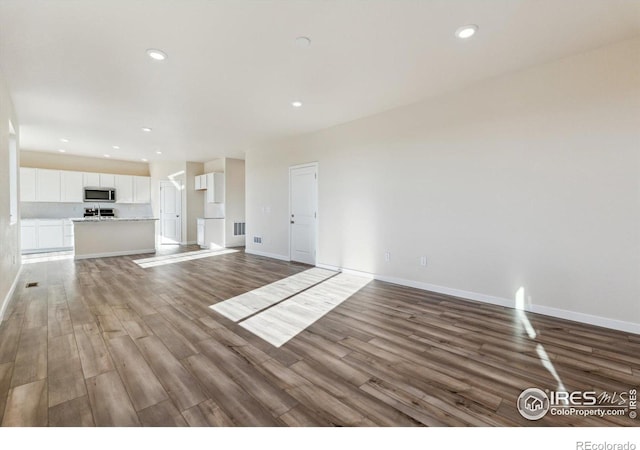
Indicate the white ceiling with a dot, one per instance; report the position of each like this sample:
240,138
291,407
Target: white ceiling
78,69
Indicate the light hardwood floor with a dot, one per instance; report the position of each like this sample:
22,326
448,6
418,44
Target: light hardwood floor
105,342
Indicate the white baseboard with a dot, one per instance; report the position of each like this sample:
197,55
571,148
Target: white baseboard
606,322
268,255
122,253
12,289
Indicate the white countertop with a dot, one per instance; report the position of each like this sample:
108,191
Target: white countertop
112,219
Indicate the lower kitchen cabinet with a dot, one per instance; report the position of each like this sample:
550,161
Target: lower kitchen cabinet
29,235
38,235
211,233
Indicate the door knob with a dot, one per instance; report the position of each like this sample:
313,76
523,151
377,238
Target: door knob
177,215
292,221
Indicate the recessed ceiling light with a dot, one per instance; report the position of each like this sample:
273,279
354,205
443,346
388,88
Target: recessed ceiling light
296,104
158,152
146,129
303,42
115,147
145,159
466,31
64,140
107,156
156,54
61,150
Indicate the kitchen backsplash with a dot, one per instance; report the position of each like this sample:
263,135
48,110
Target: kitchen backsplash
44,210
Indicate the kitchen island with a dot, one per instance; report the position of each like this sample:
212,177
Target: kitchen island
102,237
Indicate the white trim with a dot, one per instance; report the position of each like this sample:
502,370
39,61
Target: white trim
121,253
315,165
467,295
328,267
7,297
268,255
347,271
46,250
606,322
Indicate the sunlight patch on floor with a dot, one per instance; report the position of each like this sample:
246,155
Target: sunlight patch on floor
531,332
244,305
280,323
32,259
155,261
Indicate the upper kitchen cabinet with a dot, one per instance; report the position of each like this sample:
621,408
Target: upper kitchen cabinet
48,187
71,184
124,188
27,184
107,180
91,179
42,185
133,189
141,190
215,187
200,182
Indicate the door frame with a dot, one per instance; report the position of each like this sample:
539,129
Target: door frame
178,187
315,165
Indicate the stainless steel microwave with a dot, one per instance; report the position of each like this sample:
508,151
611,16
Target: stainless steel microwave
99,194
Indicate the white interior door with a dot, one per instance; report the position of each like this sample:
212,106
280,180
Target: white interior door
303,189
170,213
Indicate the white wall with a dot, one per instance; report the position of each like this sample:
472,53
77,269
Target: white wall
9,233
195,200
528,180
234,193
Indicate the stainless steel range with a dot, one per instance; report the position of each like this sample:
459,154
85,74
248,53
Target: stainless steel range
99,212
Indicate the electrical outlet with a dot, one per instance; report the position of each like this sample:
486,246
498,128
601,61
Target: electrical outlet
387,256
257,240
423,261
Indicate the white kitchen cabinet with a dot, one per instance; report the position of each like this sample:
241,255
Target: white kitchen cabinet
47,185
71,186
99,180
141,189
215,187
200,232
43,185
46,234
124,189
210,233
107,180
91,179
67,235
28,236
50,233
27,184
201,182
